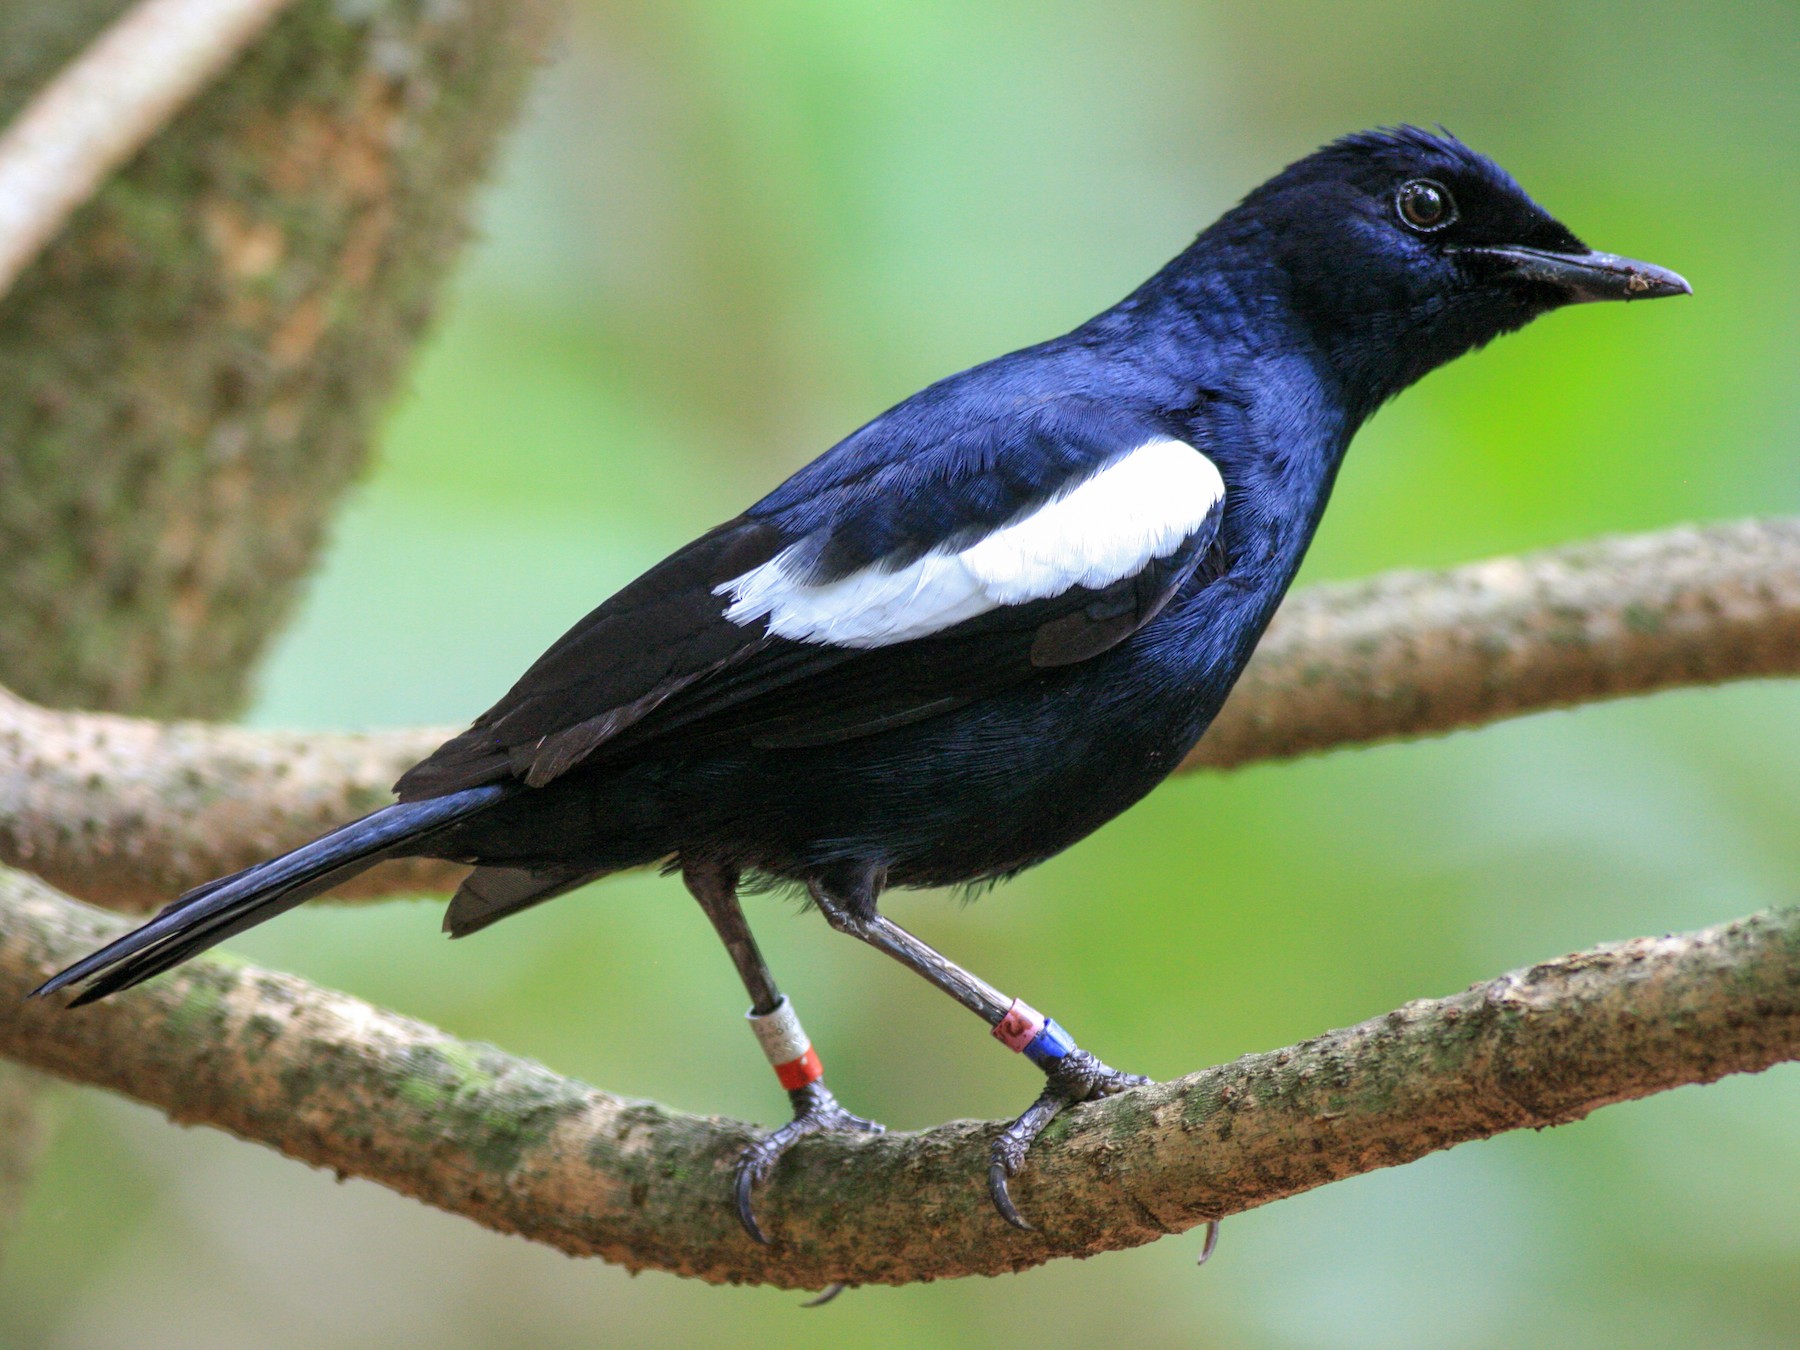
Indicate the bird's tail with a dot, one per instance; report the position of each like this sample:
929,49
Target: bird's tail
211,913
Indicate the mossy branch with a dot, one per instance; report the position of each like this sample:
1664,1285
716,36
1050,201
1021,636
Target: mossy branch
194,367
103,107
339,1084
196,347
126,812
1423,653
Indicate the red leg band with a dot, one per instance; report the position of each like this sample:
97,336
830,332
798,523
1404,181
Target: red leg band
797,1073
1020,1025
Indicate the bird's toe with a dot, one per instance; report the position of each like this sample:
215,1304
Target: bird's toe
1076,1077
1110,1082
816,1111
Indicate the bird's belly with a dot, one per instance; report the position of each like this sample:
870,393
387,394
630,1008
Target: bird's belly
975,794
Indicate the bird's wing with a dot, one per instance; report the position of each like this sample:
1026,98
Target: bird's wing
887,582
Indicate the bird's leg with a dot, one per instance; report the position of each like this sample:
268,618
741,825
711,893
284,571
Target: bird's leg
1072,1075
778,1030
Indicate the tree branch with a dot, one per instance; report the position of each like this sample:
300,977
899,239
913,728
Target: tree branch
104,106
336,1083
1423,653
194,365
126,812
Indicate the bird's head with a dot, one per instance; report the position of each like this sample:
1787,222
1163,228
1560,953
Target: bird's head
1400,249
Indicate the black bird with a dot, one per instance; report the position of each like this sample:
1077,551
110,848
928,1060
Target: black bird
976,629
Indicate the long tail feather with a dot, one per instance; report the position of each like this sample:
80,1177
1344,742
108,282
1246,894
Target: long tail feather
220,909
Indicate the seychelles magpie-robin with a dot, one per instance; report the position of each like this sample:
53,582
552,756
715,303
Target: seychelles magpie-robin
976,629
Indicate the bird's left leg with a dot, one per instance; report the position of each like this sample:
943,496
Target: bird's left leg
1072,1074
777,1029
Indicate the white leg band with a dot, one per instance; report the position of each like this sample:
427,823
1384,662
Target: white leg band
779,1032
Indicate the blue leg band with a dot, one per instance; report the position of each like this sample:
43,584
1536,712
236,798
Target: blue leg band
1049,1045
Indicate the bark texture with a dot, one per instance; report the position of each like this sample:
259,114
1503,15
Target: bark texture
337,1083
100,109
126,812
129,812
194,368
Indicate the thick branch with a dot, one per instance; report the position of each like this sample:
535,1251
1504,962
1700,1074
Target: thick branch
127,812
339,1084
195,365
105,105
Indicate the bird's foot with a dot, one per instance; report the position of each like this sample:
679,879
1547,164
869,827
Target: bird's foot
1076,1077
816,1111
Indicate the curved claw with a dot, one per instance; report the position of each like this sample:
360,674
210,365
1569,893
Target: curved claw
816,1111
1212,1242
825,1295
746,1183
1002,1198
1077,1077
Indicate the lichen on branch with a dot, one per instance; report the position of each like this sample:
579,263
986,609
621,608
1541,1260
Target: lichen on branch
339,1084
196,364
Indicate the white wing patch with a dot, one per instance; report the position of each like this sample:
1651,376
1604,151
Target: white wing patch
1138,508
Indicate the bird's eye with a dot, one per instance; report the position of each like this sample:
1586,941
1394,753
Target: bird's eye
1425,205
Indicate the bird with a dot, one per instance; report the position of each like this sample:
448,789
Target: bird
974,630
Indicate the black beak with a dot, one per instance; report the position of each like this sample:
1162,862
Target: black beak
1586,276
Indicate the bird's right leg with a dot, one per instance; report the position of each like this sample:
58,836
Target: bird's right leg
778,1030
1071,1074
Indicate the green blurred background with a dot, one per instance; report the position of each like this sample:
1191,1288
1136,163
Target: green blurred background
726,235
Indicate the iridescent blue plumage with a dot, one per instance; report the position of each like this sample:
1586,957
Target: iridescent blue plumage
985,623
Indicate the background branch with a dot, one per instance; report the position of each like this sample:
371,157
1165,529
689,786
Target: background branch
194,365
1423,653
127,812
337,1083
103,107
